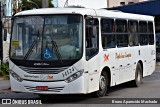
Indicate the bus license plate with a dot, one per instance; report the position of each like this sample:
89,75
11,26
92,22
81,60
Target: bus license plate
42,88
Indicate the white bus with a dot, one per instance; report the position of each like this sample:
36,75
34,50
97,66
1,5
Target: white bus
79,50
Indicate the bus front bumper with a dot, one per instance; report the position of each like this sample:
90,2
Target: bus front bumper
59,87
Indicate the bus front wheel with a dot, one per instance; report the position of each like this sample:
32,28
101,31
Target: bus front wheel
103,85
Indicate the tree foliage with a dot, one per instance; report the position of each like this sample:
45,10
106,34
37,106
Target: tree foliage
25,5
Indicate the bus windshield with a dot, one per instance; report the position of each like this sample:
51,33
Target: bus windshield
47,38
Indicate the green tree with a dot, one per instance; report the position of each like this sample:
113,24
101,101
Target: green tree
25,5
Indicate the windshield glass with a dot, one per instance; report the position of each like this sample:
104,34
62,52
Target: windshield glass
47,38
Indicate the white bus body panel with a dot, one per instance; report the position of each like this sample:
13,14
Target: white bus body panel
29,84
60,87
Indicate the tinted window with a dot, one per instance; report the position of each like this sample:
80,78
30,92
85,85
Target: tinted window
133,33
122,40
143,39
107,25
142,27
108,41
122,33
121,26
108,36
143,36
151,34
133,26
150,27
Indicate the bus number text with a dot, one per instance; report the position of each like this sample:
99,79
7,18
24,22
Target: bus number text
69,71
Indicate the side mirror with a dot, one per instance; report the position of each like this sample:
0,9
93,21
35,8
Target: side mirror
5,35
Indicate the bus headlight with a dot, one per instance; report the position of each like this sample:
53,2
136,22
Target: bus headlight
74,76
16,76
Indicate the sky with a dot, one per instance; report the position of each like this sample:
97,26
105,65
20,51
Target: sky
86,3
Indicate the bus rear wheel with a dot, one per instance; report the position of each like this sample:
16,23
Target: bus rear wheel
138,76
103,85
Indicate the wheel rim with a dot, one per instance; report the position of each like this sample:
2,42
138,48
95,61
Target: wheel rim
102,83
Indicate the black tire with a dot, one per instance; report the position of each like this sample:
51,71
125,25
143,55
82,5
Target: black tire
103,85
138,76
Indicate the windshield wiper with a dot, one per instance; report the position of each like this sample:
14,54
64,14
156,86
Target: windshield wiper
55,47
31,47
30,50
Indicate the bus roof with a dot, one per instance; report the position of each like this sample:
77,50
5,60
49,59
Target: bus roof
87,11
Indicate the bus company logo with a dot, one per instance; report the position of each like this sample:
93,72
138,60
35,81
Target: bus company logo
42,77
120,55
39,64
106,57
49,77
31,76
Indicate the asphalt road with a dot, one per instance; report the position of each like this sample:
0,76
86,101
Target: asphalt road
149,90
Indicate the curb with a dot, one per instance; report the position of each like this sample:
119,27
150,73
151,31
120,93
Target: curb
5,85
5,90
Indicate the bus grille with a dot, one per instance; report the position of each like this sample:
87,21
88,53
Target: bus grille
43,70
53,89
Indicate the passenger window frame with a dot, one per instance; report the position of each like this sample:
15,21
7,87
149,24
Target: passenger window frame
90,38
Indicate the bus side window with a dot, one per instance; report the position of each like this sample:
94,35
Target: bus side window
150,33
92,35
143,36
133,36
122,33
107,31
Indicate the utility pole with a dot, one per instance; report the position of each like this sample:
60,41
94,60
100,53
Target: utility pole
1,36
45,3
107,3
57,3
